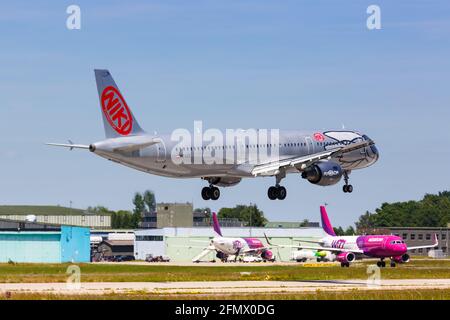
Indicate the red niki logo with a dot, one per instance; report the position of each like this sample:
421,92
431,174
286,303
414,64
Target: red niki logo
116,111
319,137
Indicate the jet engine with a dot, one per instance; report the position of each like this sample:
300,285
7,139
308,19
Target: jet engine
222,256
267,255
346,257
325,173
401,259
223,181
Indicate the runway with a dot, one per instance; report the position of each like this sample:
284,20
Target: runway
212,287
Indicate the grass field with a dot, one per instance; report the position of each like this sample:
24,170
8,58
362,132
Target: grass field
424,294
418,269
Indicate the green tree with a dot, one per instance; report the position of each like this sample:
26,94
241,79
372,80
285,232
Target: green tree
432,211
350,231
339,231
139,209
149,200
251,215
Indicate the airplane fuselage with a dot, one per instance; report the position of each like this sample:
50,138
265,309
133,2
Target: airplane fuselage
174,159
375,246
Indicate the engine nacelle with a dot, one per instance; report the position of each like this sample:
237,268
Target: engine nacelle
401,259
223,181
346,257
222,256
267,255
325,173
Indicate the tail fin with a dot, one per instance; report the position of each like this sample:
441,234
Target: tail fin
117,116
216,225
326,225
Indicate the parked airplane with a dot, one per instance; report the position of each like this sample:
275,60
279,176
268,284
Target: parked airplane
346,249
225,247
322,158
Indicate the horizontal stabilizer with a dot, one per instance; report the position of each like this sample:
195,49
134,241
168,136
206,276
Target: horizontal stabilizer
69,145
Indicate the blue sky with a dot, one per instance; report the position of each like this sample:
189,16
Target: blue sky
268,64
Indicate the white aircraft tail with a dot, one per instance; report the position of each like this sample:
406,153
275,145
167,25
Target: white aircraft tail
117,116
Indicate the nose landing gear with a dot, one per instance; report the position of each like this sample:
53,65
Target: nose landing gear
347,188
381,264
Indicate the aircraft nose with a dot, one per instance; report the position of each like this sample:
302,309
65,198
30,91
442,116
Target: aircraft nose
373,153
401,248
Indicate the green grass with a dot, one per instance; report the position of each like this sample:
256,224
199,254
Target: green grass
423,294
419,269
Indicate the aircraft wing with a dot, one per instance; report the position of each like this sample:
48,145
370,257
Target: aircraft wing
330,249
289,245
254,250
435,244
272,168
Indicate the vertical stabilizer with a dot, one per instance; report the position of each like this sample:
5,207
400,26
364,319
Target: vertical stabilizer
326,225
216,225
117,116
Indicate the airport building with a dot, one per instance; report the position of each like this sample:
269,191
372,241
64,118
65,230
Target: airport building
175,214
43,243
421,236
56,215
183,244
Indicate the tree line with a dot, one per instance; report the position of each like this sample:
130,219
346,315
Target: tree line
431,211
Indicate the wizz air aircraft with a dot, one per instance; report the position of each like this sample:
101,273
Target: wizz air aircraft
322,158
347,249
225,247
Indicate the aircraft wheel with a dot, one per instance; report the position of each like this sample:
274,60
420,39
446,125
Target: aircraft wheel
393,264
342,264
349,188
215,193
344,188
281,193
379,264
206,193
272,193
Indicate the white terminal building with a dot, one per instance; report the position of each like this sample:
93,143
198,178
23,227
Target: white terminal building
183,244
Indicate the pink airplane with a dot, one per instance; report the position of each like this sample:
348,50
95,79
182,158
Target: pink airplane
346,249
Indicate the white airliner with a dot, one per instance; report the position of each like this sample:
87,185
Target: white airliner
225,247
320,157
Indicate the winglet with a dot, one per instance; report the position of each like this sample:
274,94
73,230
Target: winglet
326,225
436,241
267,239
216,225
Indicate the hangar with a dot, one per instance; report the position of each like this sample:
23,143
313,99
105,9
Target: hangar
36,242
183,244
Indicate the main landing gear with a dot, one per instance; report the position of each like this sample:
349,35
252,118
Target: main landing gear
347,188
277,191
382,263
345,264
210,193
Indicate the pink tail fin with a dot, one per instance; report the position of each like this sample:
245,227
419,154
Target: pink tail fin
326,225
216,225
